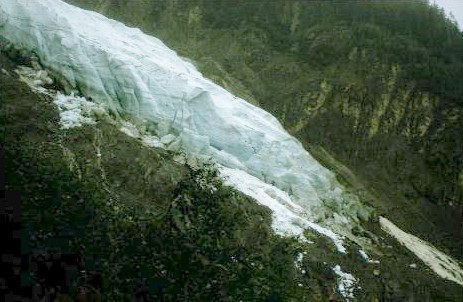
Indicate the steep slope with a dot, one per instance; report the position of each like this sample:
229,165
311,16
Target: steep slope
202,205
139,78
103,203
376,84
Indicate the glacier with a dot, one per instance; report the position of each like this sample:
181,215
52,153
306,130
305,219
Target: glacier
135,76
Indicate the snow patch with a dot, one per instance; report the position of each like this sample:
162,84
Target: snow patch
440,263
366,257
298,261
75,111
346,283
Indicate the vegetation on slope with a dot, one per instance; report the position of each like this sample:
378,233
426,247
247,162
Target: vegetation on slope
133,216
377,84
136,222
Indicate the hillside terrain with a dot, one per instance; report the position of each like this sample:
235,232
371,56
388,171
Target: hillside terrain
375,86
112,208
103,204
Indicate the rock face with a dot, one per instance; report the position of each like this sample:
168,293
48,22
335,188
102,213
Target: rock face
359,80
137,76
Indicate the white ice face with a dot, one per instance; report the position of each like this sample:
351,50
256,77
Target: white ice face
136,74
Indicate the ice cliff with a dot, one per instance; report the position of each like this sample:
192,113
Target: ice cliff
136,76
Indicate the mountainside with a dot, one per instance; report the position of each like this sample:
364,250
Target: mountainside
375,84
137,78
105,204
139,178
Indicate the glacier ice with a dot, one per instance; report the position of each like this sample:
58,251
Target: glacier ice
136,75
74,111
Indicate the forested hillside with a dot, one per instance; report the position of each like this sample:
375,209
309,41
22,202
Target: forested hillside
377,85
